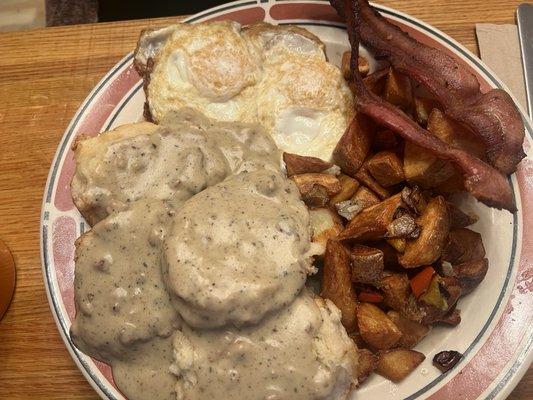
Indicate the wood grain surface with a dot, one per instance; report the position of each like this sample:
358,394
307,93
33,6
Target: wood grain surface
44,76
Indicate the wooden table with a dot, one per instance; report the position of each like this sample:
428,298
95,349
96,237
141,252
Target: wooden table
44,76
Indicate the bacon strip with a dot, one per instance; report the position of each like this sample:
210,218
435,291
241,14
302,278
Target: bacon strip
493,116
484,182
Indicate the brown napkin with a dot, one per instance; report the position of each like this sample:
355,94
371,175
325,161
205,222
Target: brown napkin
500,50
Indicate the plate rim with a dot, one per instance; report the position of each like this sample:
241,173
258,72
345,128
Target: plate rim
523,362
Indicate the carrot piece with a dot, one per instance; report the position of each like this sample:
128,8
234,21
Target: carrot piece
420,282
370,297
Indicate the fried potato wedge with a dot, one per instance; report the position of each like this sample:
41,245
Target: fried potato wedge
337,283
376,328
386,139
368,362
365,197
372,223
412,331
325,225
363,65
396,291
453,318
376,81
390,255
455,133
316,189
354,145
397,244
422,109
368,180
398,89
463,245
297,164
396,364
349,187
434,228
367,265
458,218
423,168
470,274
386,168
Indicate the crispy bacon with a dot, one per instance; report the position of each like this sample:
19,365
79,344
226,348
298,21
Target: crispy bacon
484,182
493,116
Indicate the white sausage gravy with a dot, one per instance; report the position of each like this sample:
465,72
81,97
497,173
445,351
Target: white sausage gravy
191,285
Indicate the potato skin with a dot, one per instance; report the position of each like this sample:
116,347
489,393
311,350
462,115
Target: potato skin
463,245
353,147
297,164
435,226
412,331
337,283
367,265
372,223
368,362
470,274
396,364
376,328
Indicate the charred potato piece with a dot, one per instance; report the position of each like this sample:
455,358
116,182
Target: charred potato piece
464,245
345,66
297,164
385,140
412,331
435,226
337,283
396,364
396,291
372,223
367,265
376,81
470,274
390,255
348,188
325,225
458,218
316,189
376,328
422,108
453,318
354,145
368,363
415,200
365,197
386,168
398,89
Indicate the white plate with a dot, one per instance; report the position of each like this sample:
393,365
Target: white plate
495,335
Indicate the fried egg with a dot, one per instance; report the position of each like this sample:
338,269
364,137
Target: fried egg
277,76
